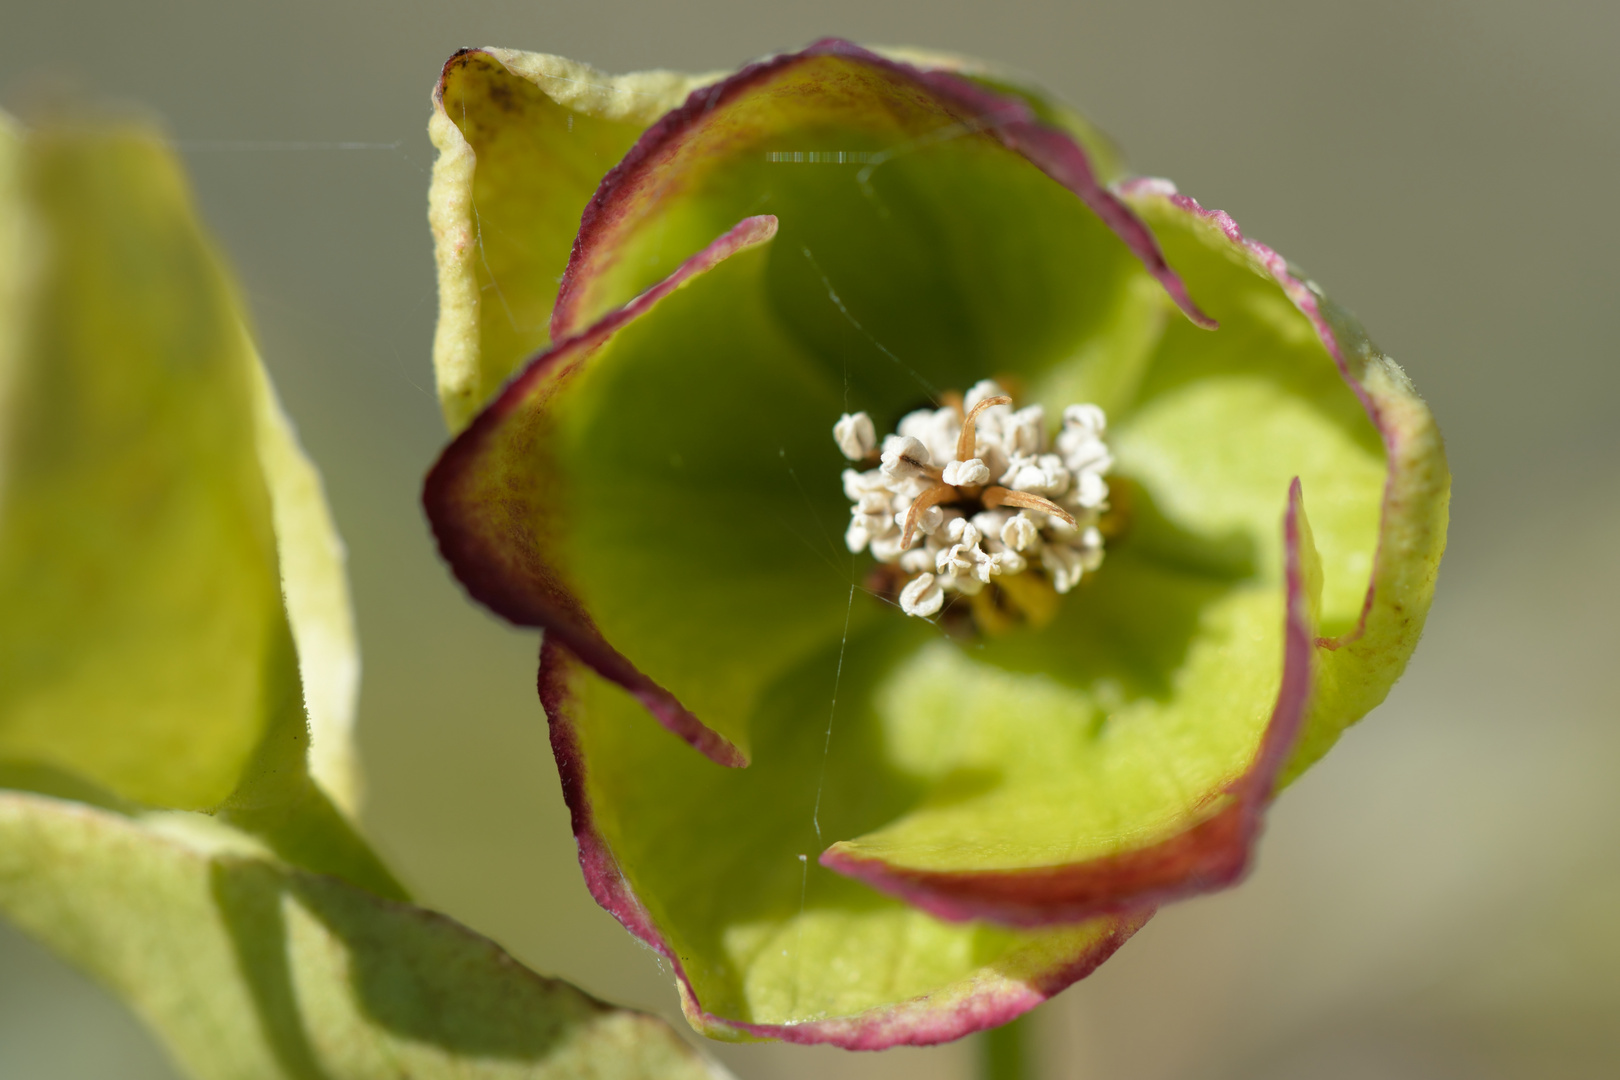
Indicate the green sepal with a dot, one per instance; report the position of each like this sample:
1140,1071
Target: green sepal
1377,594
523,141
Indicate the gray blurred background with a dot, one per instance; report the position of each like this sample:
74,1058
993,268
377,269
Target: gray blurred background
1440,898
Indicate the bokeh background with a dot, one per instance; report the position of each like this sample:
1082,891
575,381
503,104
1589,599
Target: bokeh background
1440,898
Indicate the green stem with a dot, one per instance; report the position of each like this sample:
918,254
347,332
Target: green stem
1004,1052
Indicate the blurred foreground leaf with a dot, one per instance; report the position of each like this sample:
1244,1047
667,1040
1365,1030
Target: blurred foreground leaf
249,968
144,646
175,626
175,631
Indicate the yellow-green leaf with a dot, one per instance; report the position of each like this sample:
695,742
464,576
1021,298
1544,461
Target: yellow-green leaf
143,643
316,591
248,968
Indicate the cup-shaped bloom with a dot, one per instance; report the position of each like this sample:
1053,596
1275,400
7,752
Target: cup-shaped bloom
950,807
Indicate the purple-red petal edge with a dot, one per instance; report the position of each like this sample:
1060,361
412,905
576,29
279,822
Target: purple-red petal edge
1049,149
507,573
906,1023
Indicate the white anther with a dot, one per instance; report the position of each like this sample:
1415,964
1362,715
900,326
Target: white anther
894,444
936,429
874,502
966,473
856,537
961,561
887,548
875,525
1025,431
1089,418
922,596
857,484
1020,533
1064,565
990,523
1010,473
1081,440
904,458
855,435
994,457
1043,475
1009,562
1029,478
875,514
962,531
918,560
931,520
1085,454
1091,491
956,560
1091,549
917,425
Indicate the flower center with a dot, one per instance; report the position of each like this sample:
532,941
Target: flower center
972,500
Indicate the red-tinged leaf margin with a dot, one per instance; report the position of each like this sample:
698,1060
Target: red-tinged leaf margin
1417,483
1211,855
487,528
1011,119
921,1021
1307,297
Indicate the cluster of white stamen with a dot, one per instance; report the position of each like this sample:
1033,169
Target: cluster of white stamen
965,522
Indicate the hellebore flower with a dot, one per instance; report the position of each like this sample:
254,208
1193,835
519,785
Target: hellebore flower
945,816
